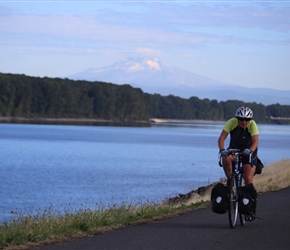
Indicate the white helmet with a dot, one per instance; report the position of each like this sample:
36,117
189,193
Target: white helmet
244,112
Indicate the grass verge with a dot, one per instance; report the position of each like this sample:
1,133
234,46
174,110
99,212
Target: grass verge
28,231
49,227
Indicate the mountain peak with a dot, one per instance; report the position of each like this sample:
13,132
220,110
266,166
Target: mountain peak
153,64
145,72
135,65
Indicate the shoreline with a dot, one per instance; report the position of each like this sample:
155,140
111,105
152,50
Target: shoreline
10,118
95,120
65,120
76,121
159,120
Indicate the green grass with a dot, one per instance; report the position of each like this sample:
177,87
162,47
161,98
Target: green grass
48,226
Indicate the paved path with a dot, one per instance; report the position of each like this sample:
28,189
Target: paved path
201,229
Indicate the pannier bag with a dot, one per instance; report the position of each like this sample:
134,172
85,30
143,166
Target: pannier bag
247,199
259,166
219,199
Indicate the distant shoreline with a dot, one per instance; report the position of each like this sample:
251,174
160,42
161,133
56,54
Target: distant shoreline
93,120
157,120
66,120
84,121
54,119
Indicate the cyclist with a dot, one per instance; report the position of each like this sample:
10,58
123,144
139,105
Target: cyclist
244,135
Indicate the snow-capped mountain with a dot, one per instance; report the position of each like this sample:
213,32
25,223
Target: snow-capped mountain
145,72
154,76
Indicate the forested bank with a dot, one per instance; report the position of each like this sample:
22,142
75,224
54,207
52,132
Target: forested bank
35,97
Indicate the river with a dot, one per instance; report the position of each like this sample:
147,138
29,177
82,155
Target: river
74,166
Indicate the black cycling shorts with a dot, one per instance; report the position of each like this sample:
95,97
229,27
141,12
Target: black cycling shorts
254,159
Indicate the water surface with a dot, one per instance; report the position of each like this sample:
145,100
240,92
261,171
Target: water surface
69,165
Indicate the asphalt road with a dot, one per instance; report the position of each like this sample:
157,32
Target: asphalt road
201,229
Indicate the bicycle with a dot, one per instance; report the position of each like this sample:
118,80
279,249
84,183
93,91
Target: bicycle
233,187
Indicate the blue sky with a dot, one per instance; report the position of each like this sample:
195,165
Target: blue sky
239,42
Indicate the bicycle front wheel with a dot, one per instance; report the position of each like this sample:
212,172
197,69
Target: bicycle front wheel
232,200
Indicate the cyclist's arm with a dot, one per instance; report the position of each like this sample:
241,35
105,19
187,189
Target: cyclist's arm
254,145
254,135
228,127
222,138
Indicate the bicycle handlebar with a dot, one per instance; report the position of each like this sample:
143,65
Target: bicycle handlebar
236,152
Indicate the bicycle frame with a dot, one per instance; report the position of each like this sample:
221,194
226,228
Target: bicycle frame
238,167
234,183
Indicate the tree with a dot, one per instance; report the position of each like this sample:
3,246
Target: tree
24,96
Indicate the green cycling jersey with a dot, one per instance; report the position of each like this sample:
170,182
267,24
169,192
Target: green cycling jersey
233,123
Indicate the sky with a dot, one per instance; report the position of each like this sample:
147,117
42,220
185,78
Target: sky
238,42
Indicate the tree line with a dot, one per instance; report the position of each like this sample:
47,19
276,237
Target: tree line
36,97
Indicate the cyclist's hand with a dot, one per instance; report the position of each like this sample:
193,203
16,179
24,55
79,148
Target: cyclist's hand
224,152
247,151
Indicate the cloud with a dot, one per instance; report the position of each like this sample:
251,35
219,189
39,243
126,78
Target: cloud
149,25
232,14
147,52
88,30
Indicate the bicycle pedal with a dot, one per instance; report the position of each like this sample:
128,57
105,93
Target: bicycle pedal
250,217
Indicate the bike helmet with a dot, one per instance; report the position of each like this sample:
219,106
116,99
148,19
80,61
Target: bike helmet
244,112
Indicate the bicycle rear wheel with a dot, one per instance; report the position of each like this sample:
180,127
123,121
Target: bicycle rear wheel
232,200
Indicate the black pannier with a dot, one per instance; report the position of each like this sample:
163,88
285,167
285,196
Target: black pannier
247,199
219,199
259,166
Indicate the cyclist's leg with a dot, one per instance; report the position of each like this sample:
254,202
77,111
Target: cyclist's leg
227,164
249,168
249,172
